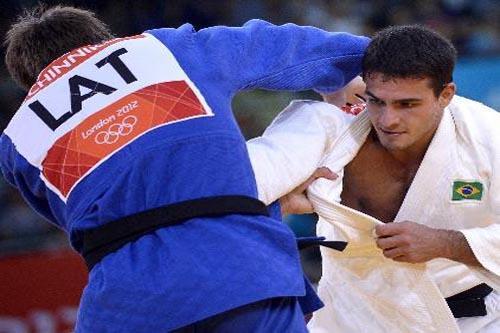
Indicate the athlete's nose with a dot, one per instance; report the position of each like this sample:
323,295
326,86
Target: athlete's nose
388,119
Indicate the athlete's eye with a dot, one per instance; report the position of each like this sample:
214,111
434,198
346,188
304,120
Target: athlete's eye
408,105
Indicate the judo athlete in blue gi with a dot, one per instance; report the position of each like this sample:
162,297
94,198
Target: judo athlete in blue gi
130,146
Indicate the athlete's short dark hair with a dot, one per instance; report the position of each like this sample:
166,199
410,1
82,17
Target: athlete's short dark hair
411,51
42,34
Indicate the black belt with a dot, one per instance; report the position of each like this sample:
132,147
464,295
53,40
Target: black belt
99,242
306,242
469,303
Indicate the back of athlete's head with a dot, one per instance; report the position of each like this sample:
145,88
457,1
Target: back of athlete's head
40,35
411,51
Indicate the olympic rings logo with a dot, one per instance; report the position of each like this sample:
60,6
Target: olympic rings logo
115,131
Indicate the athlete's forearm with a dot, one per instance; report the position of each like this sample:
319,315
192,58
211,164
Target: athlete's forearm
412,242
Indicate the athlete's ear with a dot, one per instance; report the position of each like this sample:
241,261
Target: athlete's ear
447,94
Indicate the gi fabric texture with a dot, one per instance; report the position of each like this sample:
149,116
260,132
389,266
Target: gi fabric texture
361,289
140,122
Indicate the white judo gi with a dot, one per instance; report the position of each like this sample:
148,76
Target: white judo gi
362,290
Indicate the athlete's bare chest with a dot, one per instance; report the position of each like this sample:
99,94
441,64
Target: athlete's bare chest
375,185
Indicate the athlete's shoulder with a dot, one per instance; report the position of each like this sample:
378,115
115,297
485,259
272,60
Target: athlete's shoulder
474,113
476,123
165,33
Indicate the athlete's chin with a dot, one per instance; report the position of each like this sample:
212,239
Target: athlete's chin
394,145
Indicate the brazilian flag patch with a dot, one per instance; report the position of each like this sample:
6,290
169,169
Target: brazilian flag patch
463,190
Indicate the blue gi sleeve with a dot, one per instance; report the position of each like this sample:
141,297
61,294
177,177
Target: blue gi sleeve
263,55
11,166
310,302
291,57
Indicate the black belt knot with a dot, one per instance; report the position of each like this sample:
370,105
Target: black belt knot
469,303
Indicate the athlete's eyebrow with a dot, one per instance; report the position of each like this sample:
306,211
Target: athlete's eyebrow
403,100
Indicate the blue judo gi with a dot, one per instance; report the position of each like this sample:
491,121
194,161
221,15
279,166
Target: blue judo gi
72,168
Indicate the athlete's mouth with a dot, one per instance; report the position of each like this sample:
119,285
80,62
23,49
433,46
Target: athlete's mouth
391,133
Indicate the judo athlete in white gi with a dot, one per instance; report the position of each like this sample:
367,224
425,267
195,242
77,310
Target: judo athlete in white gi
418,156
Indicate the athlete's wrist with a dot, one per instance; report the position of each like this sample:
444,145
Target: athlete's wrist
456,247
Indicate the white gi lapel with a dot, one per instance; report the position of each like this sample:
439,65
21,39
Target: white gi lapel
434,177
339,154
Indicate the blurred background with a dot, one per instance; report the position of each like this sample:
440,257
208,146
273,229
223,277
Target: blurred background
472,25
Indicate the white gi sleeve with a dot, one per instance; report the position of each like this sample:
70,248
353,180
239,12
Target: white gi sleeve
292,147
485,241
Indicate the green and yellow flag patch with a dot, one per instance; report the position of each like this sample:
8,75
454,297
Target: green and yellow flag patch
463,190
